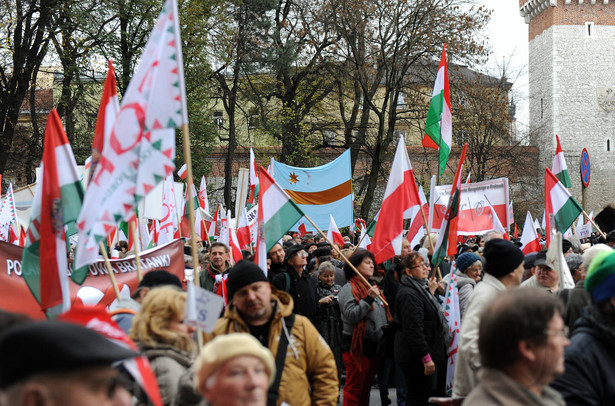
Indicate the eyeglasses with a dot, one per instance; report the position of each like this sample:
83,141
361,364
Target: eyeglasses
302,254
562,333
420,265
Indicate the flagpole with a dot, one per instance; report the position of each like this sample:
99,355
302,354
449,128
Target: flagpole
188,160
110,270
594,224
381,296
133,230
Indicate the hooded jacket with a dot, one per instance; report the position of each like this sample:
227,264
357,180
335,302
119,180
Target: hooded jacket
310,373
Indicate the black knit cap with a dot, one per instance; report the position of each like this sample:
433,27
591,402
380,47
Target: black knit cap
292,251
54,347
321,252
159,278
244,273
502,257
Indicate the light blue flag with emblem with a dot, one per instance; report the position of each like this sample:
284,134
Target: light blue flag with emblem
320,191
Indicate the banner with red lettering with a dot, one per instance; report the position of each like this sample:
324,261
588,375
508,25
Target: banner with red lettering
474,201
16,297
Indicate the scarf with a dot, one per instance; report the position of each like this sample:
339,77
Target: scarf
359,292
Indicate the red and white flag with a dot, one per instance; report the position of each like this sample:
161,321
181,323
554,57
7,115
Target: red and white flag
8,214
497,224
107,112
244,233
183,171
253,179
141,146
417,219
168,225
333,234
400,195
529,238
203,200
302,229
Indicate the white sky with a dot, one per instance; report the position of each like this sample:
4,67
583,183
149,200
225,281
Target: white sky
507,35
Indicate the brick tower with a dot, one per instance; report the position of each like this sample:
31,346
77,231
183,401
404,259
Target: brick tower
572,89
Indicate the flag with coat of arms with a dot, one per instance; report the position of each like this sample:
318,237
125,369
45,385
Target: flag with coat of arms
141,149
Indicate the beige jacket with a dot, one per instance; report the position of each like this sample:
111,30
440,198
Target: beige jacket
310,373
468,358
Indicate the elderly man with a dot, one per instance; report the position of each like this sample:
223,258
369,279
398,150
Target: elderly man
305,368
590,359
503,270
520,354
58,364
544,277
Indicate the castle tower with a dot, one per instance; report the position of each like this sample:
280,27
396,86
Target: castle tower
572,89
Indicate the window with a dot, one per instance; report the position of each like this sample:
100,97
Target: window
401,102
218,120
328,136
589,29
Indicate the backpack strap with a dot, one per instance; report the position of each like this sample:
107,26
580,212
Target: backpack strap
280,358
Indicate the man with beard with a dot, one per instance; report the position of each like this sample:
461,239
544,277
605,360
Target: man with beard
306,373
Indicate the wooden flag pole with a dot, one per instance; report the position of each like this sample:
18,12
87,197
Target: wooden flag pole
594,224
137,236
188,160
381,296
103,250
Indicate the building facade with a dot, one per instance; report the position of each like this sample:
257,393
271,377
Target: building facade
572,90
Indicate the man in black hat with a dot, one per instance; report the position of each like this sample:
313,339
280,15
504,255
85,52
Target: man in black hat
306,373
503,270
58,364
296,281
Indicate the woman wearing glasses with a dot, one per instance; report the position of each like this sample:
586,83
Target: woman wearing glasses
421,342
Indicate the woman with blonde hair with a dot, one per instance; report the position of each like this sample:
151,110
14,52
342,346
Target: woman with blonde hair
167,342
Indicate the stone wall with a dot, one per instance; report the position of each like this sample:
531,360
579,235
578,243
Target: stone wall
572,73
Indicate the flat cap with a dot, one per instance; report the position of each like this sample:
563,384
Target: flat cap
52,346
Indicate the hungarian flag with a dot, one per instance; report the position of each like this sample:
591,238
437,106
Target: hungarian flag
277,213
97,319
185,221
529,238
559,165
446,244
57,202
559,205
364,240
8,214
107,112
439,124
400,195
333,233
141,147
253,179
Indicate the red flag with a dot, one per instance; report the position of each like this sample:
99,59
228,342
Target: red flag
302,229
244,237
516,233
529,238
333,234
400,195
97,319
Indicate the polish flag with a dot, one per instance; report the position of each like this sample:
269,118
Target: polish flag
333,234
400,195
302,229
529,238
417,219
243,230
203,200
183,171
497,224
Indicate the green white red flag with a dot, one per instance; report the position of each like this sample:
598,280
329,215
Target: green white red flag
401,194
141,149
277,213
447,239
439,124
561,210
57,202
560,169
529,237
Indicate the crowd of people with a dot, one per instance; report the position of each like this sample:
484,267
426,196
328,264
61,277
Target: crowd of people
324,324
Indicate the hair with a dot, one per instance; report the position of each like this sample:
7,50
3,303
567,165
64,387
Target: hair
516,315
160,308
574,261
188,260
269,252
355,259
490,235
408,262
347,252
218,244
326,266
247,255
